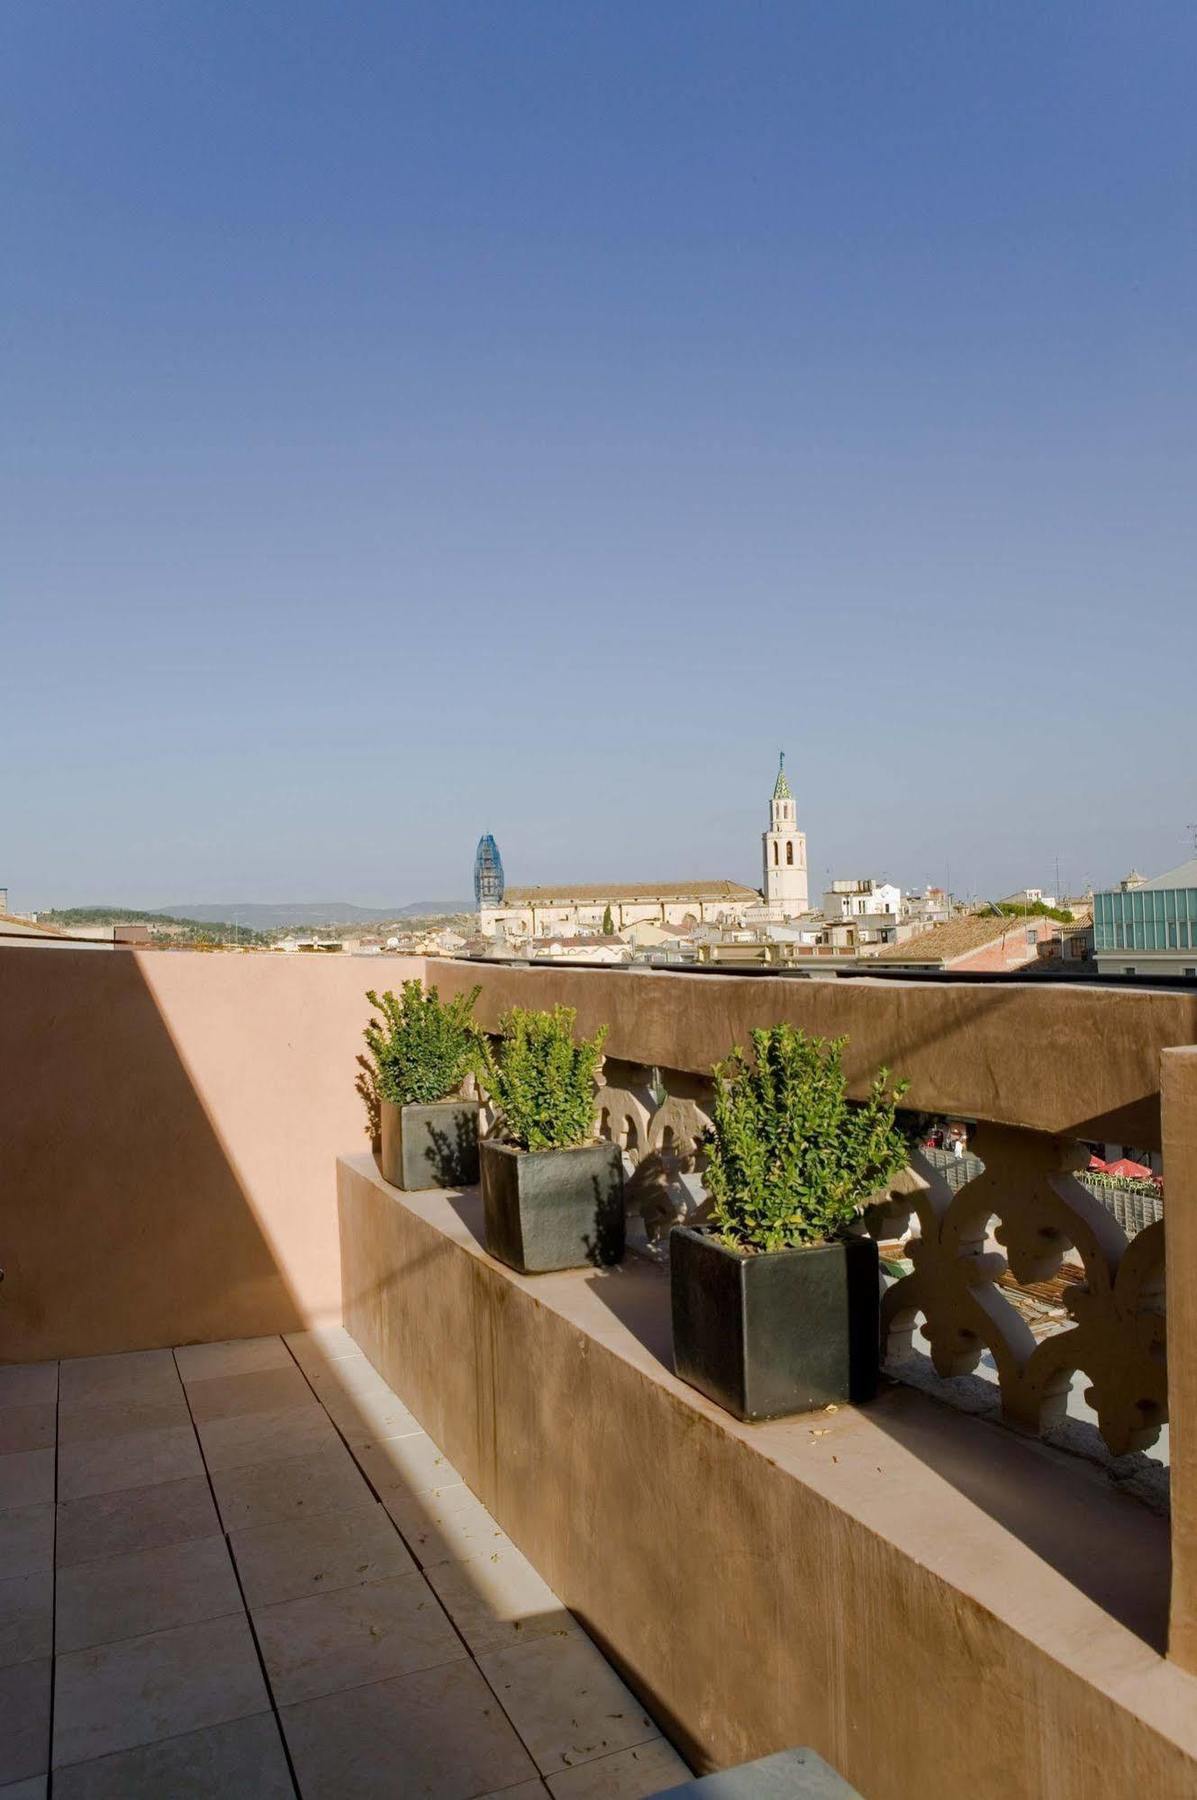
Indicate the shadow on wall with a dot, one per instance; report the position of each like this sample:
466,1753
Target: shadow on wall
124,1224
1106,1543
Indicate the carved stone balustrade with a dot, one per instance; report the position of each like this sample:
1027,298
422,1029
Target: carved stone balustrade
1041,1212
1025,1211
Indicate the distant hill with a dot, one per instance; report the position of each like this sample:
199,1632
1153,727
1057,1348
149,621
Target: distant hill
263,917
203,930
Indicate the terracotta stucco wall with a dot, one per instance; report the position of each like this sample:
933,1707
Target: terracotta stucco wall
170,1127
1180,1161
940,1607
1077,1060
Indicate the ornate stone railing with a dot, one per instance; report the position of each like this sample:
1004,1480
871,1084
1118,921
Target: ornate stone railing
1024,1211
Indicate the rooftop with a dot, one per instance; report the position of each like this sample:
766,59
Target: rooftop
955,937
1183,877
303,1491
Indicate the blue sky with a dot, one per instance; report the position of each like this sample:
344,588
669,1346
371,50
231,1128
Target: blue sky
423,419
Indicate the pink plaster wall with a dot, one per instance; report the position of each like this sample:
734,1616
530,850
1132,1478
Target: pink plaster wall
171,1123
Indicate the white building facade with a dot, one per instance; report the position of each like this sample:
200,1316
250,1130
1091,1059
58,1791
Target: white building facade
858,899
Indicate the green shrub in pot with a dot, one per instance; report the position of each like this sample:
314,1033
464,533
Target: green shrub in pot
775,1300
421,1050
552,1195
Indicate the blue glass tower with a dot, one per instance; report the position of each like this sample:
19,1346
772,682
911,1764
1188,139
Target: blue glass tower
488,873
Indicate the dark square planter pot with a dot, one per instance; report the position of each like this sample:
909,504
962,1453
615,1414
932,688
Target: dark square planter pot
779,1333
432,1146
552,1209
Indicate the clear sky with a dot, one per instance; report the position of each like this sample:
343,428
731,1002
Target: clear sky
421,419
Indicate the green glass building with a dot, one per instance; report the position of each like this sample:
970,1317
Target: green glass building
1148,927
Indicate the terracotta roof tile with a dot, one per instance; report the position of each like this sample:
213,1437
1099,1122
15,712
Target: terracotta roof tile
956,937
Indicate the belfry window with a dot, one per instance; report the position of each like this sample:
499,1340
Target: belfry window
789,853
775,856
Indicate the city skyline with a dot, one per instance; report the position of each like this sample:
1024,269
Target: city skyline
426,421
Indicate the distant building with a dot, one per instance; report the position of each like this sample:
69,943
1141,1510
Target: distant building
854,899
533,912
1028,897
583,949
1148,927
324,946
28,934
488,874
522,913
131,935
934,906
985,944
784,849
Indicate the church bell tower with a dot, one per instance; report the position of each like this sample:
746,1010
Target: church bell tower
785,886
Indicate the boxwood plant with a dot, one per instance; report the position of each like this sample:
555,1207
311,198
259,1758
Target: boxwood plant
422,1048
791,1160
541,1081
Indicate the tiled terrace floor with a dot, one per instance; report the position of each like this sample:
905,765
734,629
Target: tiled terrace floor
243,1569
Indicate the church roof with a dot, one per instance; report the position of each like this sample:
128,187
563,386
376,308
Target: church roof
647,891
781,787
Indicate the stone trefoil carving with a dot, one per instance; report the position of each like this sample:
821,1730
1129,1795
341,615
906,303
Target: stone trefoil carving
1029,1186
661,1136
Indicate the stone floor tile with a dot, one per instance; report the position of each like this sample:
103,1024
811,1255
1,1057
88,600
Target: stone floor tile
35,1788
84,1421
28,1384
26,1617
324,1344
567,1703
267,1390
445,1526
497,1598
442,1727
370,1416
26,1477
414,1465
25,1711
111,1380
147,1688
27,1539
296,1487
236,1356
352,1373
326,1642
244,1438
285,1561
525,1790
631,1774
143,1591
243,1758
29,1427
142,1459
135,1519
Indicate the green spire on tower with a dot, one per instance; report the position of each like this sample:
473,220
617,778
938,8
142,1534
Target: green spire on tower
781,787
